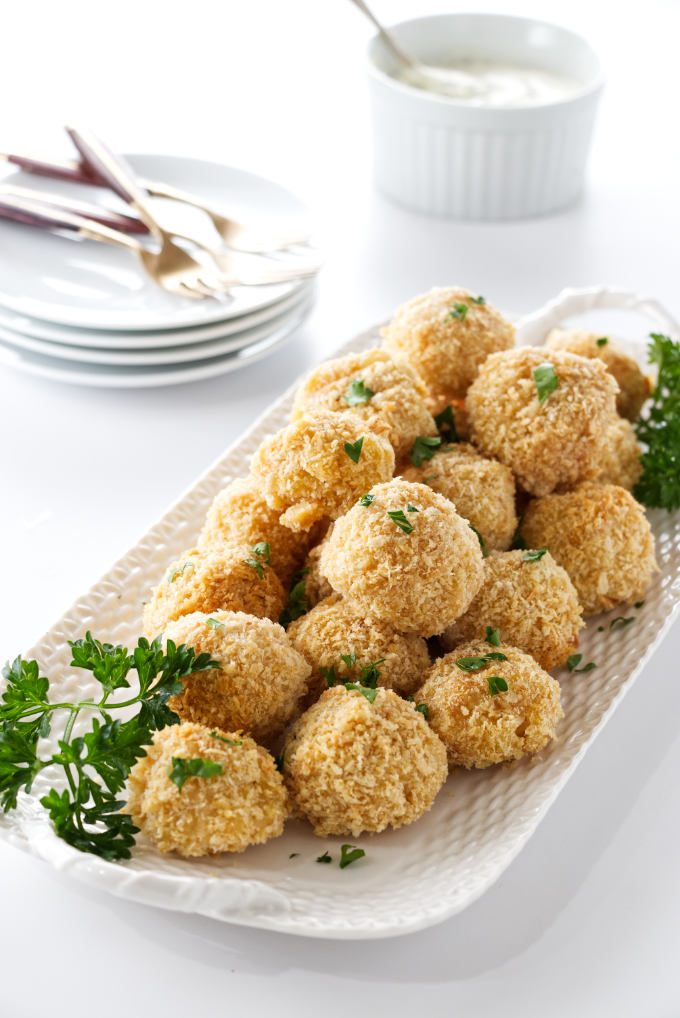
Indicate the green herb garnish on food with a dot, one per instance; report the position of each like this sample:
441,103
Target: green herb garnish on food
575,659
181,769
349,659
446,424
95,765
329,675
366,500
262,551
546,381
430,477
518,541
497,685
482,544
214,624
621,622
353,449
478,300
659,430
357,393
638,604
297,602
478,663
423,709
350,854
424,448
227,742
370,674
412,508
458,311
179,571
534,555
279,760
493,636
602,341
398,516
369,692
325,857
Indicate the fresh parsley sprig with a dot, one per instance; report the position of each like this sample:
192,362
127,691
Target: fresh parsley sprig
87,813
659,430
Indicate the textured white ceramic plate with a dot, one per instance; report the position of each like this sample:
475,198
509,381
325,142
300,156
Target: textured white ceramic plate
410,878
96,286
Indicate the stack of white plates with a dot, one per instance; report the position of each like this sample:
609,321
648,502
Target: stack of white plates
83,312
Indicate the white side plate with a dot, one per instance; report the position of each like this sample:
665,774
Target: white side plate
410,878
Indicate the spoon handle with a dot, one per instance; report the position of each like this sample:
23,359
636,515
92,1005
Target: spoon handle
387,37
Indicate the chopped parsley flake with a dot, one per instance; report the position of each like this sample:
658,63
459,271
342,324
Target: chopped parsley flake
446,424
477,664
493,636
458,311
349,659
366,500
575,659
357,393
423,709
424,448
366,691
214,624
639,604
353,449
430,477
261,550
179,571
497,685
370,674
181,769
325,857
534,555
546,381
482,545
228,742
478,300
278,760
620,621
398,516
602,341
329,675
349,854
293,855
297,602
412,508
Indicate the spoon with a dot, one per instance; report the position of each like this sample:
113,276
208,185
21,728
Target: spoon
447,81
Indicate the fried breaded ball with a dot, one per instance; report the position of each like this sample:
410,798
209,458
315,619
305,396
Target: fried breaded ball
418,568
620,463
333,629
246,804
482,490
239,514
260,680
307,473
601,536
532,602
396,400
478,728
445,335
547,446
317,586
353,766
634,386
204,580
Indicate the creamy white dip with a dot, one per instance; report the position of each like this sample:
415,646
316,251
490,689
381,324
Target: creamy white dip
491,83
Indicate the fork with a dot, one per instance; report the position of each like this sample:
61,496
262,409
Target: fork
234,234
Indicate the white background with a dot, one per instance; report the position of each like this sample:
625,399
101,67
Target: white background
586,921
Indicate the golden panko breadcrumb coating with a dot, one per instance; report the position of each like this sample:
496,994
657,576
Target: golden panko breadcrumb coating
246,804
260,680
239,514
210,580
601,536
620,463
333,629
445,335
547,446
397,399
353,766
478,728
634,386
317,586
418,568
307,473
482,490
532,602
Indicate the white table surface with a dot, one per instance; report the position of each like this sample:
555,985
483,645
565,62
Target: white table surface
585,922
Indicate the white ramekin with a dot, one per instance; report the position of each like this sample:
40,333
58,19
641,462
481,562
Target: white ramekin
442,157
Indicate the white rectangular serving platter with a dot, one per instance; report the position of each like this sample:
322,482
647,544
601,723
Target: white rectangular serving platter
411,878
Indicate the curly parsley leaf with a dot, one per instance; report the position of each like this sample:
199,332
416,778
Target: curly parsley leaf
357,393
424,448
659,430
353,449
546,381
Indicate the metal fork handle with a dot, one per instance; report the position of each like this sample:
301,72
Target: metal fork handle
35,213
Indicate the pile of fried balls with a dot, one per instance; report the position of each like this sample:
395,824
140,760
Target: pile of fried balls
388,590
